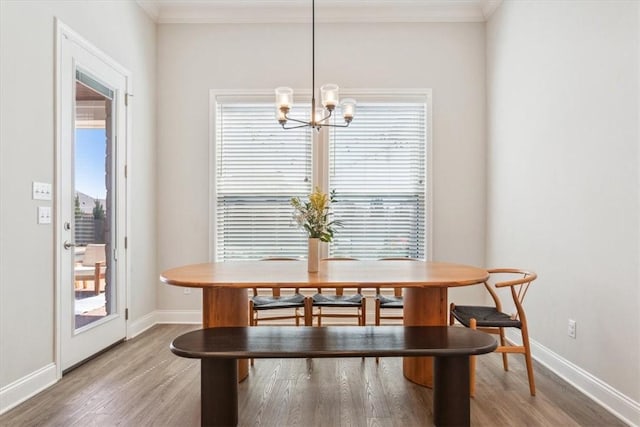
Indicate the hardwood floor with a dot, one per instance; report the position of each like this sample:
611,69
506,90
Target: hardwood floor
141,383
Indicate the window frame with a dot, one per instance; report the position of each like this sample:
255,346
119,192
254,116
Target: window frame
320,146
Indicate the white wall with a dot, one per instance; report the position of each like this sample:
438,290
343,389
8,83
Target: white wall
27,60
563,175
192,59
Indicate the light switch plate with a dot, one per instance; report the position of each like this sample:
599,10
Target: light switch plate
44,214
41,191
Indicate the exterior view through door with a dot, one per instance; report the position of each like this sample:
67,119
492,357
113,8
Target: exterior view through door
93,296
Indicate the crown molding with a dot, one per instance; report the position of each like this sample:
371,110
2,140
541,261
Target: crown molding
490,6
329,11
151,8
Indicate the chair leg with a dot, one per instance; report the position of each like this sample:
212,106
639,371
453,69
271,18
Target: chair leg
472,366
363,310
251,322
377,320
363,315
527,357
452,320
503,343
319,316
250,313
308,312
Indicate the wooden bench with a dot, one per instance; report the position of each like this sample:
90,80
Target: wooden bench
219,349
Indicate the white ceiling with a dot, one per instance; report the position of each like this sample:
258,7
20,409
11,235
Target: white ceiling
279,11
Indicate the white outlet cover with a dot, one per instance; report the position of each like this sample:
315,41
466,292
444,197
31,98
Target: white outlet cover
44,214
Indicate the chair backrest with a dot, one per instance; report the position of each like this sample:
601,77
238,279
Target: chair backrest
94,253
518,281
276,292
340,290
397,292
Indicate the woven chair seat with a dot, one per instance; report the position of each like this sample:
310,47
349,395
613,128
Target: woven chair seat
390,301
271,302
485,317
323,300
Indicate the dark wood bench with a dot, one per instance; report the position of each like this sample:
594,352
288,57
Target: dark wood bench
219,349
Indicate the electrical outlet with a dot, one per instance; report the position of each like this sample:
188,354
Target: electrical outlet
571,330
187,291
44,214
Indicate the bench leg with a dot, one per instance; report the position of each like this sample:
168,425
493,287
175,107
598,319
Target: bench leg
219,392
451,391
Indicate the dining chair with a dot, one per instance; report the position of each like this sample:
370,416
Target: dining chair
277,301
493,320
394,303
338,300
92,267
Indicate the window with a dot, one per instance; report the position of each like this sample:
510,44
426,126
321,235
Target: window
258,168
378,167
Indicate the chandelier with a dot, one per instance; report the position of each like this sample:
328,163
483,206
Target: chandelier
328,96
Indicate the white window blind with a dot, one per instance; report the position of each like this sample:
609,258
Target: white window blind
258,168
378,168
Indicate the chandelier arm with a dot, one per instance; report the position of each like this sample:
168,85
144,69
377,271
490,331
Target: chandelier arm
327,117
330,125
303,125
296,120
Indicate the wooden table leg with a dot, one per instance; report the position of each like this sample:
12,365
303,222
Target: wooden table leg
423,307
218,392
451,391
226,307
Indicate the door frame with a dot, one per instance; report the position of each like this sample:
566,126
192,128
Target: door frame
64,31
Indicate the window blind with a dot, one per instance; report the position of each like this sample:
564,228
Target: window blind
258,168
378,168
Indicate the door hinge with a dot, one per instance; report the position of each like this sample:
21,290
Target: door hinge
125,242
126,314
126,99
126,171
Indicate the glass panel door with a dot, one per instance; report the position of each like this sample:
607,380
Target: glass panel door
91,200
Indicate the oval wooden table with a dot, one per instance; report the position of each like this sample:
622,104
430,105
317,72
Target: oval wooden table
225,299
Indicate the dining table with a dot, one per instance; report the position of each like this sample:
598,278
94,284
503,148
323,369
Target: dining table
425,288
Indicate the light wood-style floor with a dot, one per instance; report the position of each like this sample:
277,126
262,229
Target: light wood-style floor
141,383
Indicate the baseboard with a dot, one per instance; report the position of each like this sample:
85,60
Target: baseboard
18,391
163,316
176,316
608,397
140,325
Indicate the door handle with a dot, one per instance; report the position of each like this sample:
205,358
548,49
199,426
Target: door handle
68,245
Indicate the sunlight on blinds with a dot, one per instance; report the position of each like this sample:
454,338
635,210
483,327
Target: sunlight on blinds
258,168
378,169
